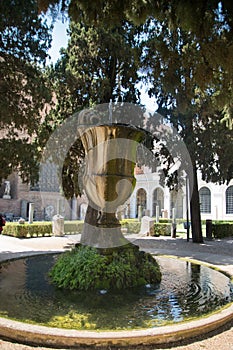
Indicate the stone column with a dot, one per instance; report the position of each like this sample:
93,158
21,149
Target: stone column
74,209
167,201
23,212
31,212
149,208
173,226
157,213
133,203
139,212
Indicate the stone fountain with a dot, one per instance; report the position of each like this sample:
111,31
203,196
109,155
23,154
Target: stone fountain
108,182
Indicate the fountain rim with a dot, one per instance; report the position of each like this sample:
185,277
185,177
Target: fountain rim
31,334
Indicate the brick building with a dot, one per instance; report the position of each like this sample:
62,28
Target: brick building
15,201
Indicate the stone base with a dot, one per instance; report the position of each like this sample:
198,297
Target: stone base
58,225
6,196
102,237
147,226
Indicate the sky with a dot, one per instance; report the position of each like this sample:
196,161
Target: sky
60,39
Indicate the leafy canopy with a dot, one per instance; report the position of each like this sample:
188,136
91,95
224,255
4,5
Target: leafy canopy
99,65
194,93
24,42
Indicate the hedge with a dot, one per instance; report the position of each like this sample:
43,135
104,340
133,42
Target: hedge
162,229
165,221
27,230
222,229
45,228
132,225
73,227
39,229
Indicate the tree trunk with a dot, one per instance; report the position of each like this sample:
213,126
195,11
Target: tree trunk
195,209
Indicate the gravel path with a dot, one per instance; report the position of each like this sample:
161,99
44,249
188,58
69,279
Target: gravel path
216,252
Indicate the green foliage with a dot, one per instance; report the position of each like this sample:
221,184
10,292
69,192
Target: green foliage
164,221
71,227
162,229
132,225
222,229
85,268
24,41
194,92
99,64
78,269
191,94
39,229
195,16
27,230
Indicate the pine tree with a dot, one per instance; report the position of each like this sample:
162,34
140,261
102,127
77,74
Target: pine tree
194,91
99,65
24,42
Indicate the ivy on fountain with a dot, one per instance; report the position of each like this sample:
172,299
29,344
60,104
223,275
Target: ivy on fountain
89,268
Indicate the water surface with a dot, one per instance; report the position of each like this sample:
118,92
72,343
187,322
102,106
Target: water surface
186,291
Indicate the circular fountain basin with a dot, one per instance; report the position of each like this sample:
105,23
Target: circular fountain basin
191,299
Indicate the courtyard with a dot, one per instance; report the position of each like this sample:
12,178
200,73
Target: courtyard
218,253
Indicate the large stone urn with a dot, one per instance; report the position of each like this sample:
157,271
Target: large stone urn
108,180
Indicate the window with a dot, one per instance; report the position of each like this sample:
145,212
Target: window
205,200
229,200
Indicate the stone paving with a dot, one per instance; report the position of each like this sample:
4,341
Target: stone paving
216,252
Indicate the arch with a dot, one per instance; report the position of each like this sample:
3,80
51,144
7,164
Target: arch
229,200
158,200
205,200
141,200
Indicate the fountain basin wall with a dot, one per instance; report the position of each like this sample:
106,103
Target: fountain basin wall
39,335
57,337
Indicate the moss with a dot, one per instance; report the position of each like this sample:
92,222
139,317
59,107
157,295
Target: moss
88,268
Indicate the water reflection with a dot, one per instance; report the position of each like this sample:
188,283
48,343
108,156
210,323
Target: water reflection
187,290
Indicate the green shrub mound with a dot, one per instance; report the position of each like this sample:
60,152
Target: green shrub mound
88,268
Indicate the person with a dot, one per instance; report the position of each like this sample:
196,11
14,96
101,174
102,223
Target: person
2,222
